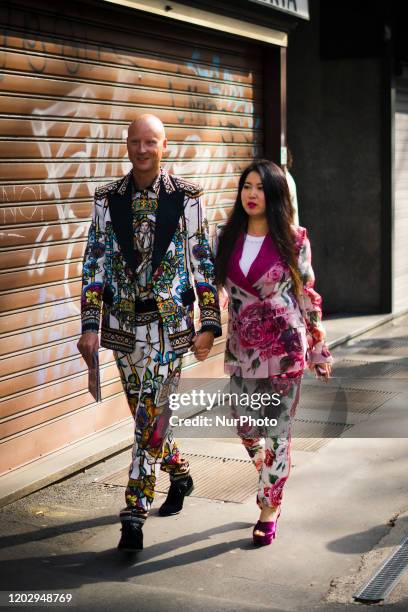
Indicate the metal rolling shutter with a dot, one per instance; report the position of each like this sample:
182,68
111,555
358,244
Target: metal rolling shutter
73,78
400,257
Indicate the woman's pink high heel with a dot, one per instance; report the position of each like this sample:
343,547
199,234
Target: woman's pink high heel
268,528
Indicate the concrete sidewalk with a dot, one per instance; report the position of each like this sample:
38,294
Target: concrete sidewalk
65,537
345,508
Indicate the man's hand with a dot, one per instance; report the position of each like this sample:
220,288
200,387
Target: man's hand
202,345
88,344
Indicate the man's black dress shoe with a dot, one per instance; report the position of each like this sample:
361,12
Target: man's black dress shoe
175,497
132,537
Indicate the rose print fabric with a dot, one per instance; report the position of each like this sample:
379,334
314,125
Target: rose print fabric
272,336
269,446
270,332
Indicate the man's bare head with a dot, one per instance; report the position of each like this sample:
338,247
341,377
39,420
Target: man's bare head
148,121
146,143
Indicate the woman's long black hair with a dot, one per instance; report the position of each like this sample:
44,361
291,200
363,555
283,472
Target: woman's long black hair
279,215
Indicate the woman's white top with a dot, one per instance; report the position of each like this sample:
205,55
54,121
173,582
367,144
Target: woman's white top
252,246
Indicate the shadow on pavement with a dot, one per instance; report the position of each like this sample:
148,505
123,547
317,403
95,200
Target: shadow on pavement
363,541
73,569
45,533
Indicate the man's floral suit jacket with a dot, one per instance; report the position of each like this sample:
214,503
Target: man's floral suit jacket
181,250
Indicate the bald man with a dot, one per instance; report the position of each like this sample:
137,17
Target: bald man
147,249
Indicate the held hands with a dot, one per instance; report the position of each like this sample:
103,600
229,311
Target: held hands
88,344
202,345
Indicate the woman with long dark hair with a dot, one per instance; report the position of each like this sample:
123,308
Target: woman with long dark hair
263,261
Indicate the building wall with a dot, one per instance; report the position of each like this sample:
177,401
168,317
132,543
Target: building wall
73,79
334,132
400,212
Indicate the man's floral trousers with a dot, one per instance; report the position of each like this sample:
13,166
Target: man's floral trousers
149,375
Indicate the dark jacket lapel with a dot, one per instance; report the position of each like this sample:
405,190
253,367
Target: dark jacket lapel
169,210
120,208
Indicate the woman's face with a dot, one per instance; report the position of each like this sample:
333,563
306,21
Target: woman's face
252,195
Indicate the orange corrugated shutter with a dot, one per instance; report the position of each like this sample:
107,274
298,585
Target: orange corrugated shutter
72,80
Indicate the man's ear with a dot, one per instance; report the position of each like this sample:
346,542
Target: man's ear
164,144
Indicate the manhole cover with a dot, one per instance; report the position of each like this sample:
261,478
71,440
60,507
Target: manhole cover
309,445
306,428
343,399
350,368
387,346
235,480
226,479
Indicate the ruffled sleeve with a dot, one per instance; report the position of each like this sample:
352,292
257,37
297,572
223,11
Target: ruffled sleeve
310,303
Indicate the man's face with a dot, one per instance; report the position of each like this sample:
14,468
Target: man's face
146,143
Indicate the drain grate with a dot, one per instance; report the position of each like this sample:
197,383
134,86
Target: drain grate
224,479
362,401
387,346
304,428
309,445
230,479
351,368
386,577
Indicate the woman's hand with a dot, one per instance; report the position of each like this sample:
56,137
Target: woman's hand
223,297
321,370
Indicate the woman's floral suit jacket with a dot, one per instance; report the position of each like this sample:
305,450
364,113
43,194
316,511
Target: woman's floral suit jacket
180,251
270,332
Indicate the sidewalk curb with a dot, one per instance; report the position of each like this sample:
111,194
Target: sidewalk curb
65,462
366,328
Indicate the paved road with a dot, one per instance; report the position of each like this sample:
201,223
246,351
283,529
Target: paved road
345,508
